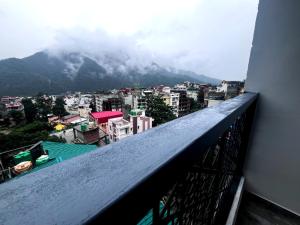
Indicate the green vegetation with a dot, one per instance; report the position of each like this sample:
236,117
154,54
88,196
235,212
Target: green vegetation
195,106
24,135
44,105
17,116
36,127
59,108
93,106
56,139
30,110
43,72
158,110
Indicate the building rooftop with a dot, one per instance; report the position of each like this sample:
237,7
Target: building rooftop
103,117
136,112
70,116
85,127
119,121
59,152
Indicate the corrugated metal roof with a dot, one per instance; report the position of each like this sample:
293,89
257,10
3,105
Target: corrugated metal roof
59,152
104,116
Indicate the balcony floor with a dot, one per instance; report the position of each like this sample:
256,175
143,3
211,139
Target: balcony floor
256,211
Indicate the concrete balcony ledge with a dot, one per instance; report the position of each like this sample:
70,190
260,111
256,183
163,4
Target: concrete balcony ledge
122,177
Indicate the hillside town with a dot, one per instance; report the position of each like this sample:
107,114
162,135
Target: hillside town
39,131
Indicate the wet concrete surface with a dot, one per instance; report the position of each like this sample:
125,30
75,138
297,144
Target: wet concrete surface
256,211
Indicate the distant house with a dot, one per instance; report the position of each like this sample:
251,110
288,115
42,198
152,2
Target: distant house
112,104
56,152
67,120
53,120
101,118
184,101
108,102
86,134
3,111
215,98
139,121
118,128
231,88
9,103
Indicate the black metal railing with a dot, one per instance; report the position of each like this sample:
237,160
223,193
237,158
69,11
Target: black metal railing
183,172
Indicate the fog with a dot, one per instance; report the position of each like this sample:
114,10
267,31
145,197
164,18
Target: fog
211,37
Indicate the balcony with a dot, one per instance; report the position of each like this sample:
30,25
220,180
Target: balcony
191,170
186,171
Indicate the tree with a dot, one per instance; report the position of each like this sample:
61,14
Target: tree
56,139
59,107
158,110
16,115
24,135
92,106
30,110
44,105
195,106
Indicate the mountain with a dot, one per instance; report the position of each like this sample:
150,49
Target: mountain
54,74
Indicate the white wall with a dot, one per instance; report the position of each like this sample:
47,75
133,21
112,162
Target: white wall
273,161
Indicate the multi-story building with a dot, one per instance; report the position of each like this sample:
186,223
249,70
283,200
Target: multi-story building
112,104
139,121
166,98
171,99
128,99
184,104
11,103
9,99
192,93
139,101
86,134
214,98
84,111
101,118
100,98
180,87
118,128
166,89
174,103
230,88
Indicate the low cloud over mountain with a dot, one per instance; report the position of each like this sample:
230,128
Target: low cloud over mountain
56,71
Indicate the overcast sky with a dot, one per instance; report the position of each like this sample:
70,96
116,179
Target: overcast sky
211,37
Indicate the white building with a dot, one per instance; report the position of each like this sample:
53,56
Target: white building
215,98
180,87
174,103
118,128
99,98
230,88
84,111
166,89
192,94
128,99
139,101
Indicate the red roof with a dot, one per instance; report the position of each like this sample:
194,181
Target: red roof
103,117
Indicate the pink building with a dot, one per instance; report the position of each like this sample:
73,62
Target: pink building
101,118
